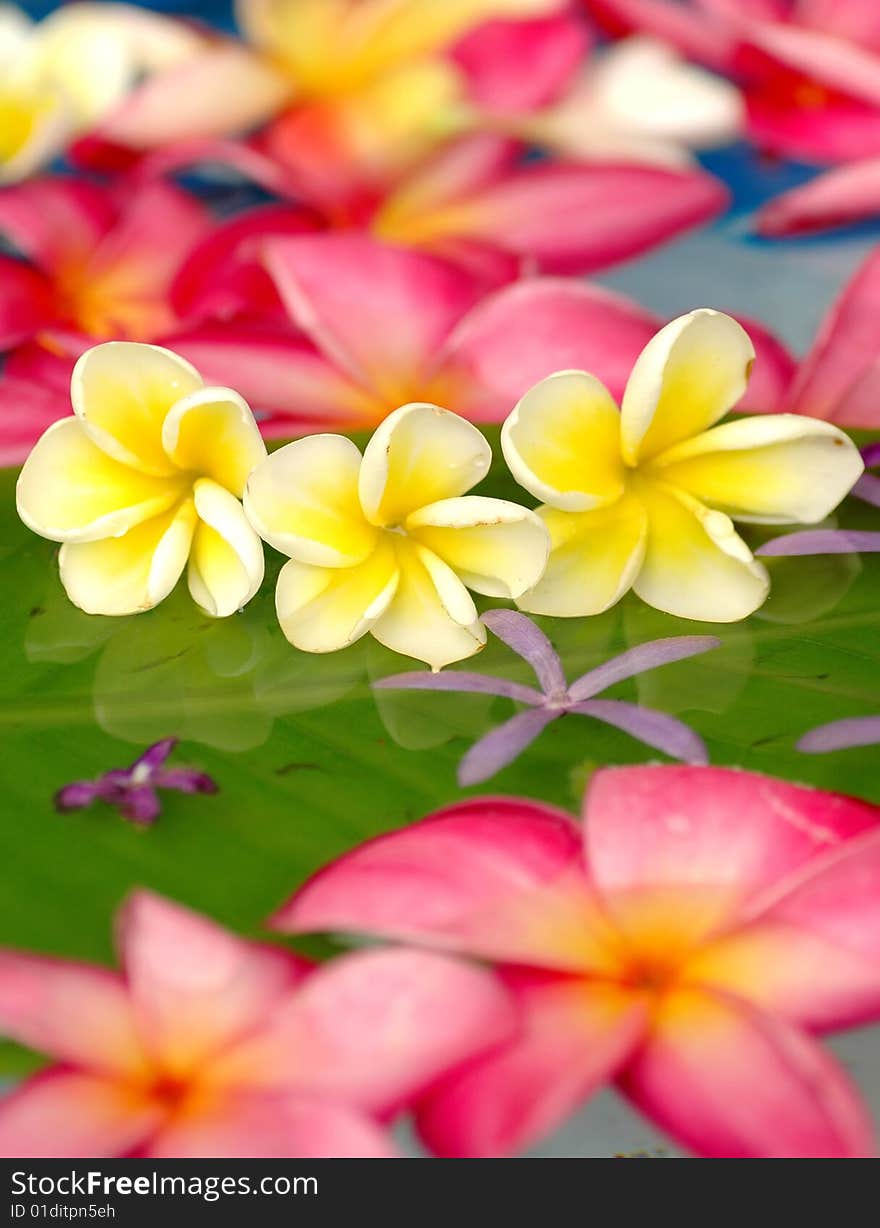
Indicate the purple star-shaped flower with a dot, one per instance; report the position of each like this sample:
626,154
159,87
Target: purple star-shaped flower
556,698
132,790
841,735
835,541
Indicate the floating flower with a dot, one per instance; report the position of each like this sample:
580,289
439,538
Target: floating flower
133,790
840,197
147,475
684,944
556,698
643,498
389,542
841,735
208,1046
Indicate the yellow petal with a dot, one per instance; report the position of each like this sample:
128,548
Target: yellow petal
35,125
494,547
226,563
432,616
69,490
696,565
322,609
562,442
122,391
419,455
772,470
303,500
686,378
594,559
212,433
132,573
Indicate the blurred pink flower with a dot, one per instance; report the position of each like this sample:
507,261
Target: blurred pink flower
206,1045
809,69
684,944
839,197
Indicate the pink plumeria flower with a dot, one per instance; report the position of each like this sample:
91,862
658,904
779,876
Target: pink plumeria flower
685,943
809,69
133,791
206,1045
556,697
840,197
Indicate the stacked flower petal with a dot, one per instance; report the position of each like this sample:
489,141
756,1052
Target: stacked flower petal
147,475
389,542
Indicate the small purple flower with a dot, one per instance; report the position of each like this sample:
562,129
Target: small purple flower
556,698
835,541
132,790
841,735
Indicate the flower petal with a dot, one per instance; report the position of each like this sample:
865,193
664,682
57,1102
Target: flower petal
374,1028
420,454
503,744
463,681
562,442
839,197
575,1037
64,1113
821,541
269,1126
133,572
653,728
529,642
730,1081
843,354
696,565
212,432
736,833
303,500
838,735
55,218
769,470
71,490
496,877
122,391
226,564
323,609
431,615
495,547
594,558
77,1013
518,66
638,660
537,326
379,312
686,378
196,987
26,304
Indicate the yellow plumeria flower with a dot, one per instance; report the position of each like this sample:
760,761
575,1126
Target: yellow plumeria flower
644,497
388,542
147,475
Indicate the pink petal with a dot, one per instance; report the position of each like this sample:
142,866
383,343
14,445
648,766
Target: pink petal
516,66
75,1012
26,303
63,1113
771,376
290,386
575,1037
856,20
840,129
54,221
375,1028
195,986
576,219
843,66
241,156
527,331
841,364
472,877
379,312
28,409
840,197
730,832
683,25
267,1127
729,1081
223,274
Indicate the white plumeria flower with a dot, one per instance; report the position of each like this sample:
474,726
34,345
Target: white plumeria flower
148,474
61,76
639,101
389,542
643,497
